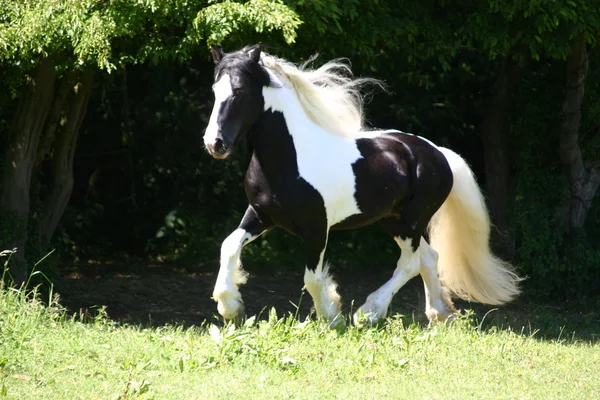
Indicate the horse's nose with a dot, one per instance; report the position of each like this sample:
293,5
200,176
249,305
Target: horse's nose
218,147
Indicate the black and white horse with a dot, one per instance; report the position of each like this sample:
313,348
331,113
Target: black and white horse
314,169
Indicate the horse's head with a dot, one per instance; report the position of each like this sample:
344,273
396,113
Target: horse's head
239,79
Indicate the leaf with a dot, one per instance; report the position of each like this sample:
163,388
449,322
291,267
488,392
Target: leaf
402,363
218,21
215,333
288,361
144,387
5,253
250,322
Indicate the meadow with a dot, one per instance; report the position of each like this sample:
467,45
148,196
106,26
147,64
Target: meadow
49,353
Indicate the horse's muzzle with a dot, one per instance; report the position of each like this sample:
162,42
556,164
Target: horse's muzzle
218,149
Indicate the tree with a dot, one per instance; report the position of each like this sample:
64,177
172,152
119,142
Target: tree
583,179
510,35
54,49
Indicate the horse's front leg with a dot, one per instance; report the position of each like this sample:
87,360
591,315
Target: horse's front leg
231,275
317,280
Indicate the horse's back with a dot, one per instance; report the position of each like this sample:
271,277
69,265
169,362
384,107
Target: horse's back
429,163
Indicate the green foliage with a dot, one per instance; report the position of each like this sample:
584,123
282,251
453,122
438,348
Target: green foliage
110,34
75,237
11,229
5,255
218,21
31,29
560,265
547,27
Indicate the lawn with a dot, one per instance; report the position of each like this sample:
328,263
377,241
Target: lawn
47,354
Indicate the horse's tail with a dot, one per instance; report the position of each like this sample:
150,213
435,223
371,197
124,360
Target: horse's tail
460,233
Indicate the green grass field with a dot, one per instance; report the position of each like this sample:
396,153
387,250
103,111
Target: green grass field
45,354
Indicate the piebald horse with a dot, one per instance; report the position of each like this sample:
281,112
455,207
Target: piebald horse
315,168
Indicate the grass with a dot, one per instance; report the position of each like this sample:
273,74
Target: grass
46,354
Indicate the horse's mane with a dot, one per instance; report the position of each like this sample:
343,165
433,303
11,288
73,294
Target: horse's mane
330,95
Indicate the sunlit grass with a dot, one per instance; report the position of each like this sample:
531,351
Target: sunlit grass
45,354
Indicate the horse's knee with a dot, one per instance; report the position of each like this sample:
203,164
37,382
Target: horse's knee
410,268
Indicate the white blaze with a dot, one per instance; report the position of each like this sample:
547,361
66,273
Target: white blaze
223,91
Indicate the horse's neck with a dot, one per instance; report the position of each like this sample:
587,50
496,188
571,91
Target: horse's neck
305,133
273,147
285,101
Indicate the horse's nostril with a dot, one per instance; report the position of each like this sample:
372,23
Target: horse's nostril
219,146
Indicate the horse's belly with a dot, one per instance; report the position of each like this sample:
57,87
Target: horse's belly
356,221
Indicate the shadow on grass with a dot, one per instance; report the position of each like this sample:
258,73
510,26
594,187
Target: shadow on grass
158,294
543,321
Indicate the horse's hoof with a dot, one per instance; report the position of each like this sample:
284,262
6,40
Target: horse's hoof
437,317
338,323
237,321
363,319
232,310
240,317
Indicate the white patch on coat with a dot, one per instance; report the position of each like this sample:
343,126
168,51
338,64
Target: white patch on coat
438,305
323,290
222,89
231,274
324,160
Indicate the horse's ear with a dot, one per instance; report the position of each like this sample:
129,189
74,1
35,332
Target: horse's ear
217,53
255,52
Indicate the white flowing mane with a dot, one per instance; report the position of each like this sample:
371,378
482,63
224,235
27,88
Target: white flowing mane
330,95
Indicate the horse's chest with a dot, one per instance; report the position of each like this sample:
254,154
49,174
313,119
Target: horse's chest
307,187
331,174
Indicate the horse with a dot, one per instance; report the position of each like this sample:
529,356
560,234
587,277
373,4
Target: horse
316,168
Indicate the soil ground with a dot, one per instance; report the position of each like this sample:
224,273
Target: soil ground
136,292
158,294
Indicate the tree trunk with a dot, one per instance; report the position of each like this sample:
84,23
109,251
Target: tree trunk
61,178
583,182
55,115
19,159
495,146
53,120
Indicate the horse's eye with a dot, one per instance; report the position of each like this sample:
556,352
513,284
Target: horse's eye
237,92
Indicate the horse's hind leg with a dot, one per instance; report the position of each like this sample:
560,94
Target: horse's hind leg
231,274
438,303
377,303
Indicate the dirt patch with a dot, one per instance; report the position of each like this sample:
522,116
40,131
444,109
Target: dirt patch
157,294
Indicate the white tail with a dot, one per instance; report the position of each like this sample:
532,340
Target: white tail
460,233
